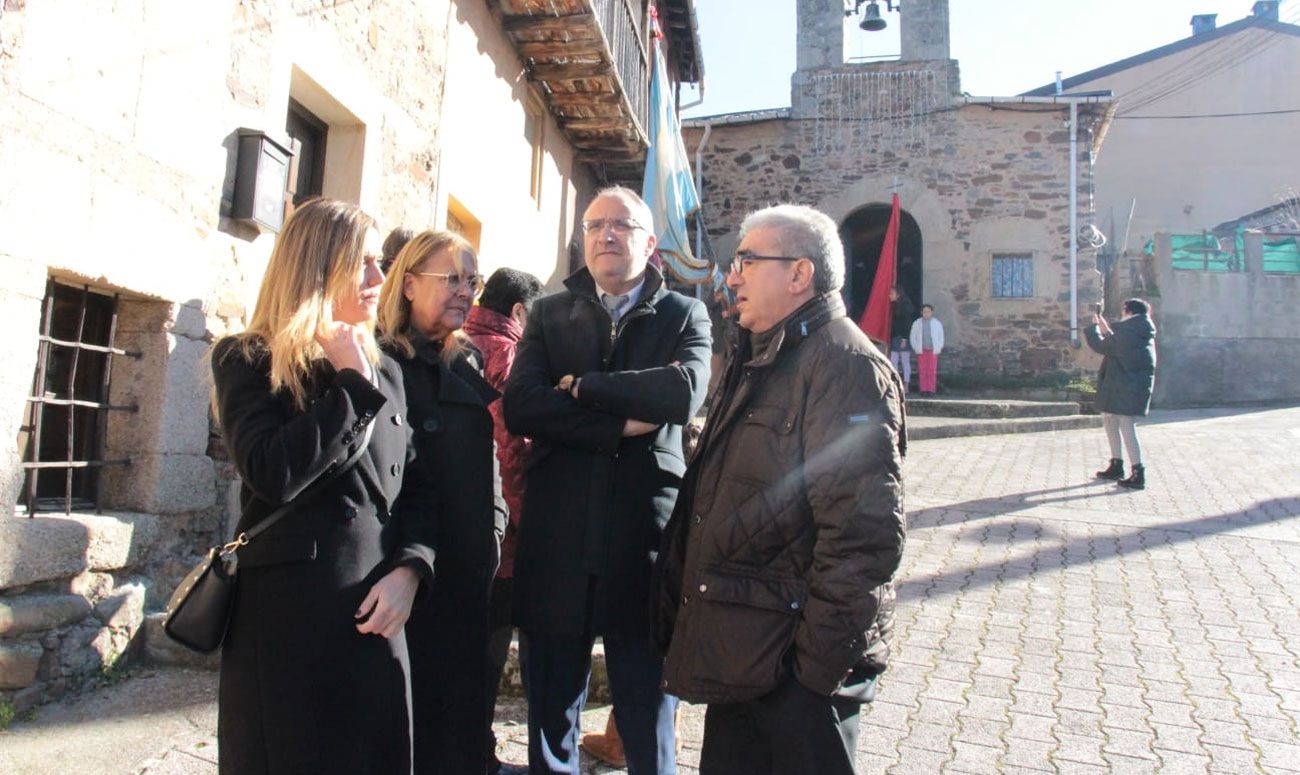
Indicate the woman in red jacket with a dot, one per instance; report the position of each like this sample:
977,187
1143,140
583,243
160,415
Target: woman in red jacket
495,326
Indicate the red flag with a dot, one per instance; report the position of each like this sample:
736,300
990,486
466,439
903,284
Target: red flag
876,317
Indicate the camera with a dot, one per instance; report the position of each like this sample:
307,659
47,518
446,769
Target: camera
1096,307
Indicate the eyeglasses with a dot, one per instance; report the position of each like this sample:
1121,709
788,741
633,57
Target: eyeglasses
621,226
457,282
743,258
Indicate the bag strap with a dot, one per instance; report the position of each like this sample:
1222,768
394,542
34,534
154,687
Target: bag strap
331,473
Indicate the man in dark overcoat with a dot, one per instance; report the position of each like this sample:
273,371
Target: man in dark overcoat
607,373
776,600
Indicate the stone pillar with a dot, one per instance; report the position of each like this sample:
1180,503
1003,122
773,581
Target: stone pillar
167,438
820,41
1254,254
819,45
923,29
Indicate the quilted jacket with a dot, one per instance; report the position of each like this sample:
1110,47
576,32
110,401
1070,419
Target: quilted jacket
779,556
497,336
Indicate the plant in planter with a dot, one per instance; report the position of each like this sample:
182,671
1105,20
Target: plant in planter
1084,392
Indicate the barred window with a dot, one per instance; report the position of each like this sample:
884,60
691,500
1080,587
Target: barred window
1013,276
62,436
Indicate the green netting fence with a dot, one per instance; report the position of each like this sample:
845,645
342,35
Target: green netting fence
1282,255
1206,253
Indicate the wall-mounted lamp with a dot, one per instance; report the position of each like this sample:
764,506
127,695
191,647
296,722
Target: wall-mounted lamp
872,21
261,177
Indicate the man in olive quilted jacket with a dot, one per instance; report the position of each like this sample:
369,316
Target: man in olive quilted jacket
774,596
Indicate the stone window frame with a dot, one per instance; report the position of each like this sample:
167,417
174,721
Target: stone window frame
1024,258
351,117
463,222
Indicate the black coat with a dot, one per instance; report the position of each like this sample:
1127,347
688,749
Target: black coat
597,502
1128,366
301,690
453,484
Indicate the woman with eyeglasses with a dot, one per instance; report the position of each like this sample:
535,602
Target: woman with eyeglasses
425,301
314,664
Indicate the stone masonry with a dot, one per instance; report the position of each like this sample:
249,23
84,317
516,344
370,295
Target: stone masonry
118,142
980,176
985,180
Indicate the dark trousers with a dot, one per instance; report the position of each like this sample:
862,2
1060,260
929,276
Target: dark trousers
556,669
791,731
498,650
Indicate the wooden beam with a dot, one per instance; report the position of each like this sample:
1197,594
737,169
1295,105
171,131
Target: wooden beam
596,124
618,153
607,157
604,145
570,23
572,71
554,49
582,99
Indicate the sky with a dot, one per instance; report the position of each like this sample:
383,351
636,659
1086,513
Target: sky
1003,48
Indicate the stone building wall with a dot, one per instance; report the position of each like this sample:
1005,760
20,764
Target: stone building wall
979,179
118,147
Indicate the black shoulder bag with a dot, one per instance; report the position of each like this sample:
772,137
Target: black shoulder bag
199,610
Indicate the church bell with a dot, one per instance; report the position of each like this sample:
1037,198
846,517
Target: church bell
872,21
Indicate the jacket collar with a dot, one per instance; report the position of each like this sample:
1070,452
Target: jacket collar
483,321
461,381
581,283
797,326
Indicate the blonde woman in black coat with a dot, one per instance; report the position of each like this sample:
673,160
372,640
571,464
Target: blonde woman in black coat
426,299
314,667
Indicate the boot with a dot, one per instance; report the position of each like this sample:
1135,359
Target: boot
1136,480
606,747
1113,471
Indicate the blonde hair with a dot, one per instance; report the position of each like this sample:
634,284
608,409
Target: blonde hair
395,309
316,260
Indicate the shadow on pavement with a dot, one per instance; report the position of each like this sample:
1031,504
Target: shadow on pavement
1077,551
1167,416
999,505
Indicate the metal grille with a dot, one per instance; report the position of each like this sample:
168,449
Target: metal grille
66,413
1013,276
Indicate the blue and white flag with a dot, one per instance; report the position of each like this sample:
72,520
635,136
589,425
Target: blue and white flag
669,188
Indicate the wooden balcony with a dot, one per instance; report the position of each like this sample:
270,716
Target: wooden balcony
591,63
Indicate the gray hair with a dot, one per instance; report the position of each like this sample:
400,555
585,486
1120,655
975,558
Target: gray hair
804,233
641,212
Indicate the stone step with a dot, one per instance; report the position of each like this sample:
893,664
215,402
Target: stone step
921,428
988,408
162,650
21,614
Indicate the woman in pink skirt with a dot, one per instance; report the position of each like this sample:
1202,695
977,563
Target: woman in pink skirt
927,341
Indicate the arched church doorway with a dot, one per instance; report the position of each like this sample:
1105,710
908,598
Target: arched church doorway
863,235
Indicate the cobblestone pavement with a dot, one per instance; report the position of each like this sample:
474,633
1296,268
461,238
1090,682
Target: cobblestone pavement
1047,622
1051,623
